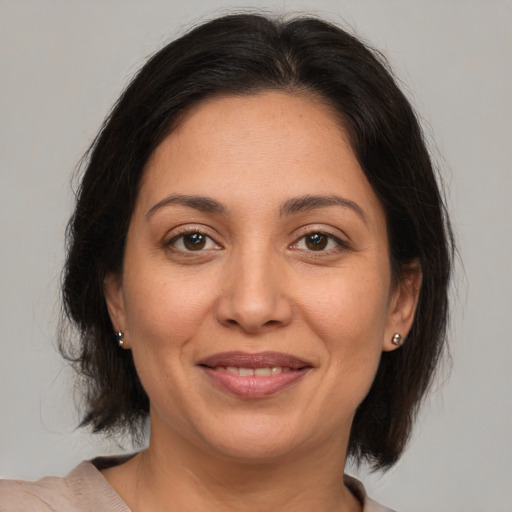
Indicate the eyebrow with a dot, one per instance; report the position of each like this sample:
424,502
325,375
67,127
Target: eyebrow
312,202
289,207
201,203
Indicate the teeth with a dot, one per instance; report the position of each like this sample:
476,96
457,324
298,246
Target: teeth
263,372
248,372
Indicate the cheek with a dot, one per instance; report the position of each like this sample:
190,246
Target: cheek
348,308
164,314
164,307
348,317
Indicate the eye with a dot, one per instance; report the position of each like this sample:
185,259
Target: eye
192,241
318,242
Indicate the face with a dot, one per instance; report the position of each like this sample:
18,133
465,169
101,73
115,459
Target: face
256,291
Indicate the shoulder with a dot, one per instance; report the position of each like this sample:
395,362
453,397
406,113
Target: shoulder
47,494
372,506
83,489
357,488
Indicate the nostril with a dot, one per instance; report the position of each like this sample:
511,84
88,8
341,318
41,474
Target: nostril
253,312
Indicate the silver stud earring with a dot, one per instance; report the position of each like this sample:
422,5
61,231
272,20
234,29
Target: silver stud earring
119,338
397,339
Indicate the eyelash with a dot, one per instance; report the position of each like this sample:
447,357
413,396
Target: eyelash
340,244
170,243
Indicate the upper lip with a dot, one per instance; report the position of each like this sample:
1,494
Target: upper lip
257,360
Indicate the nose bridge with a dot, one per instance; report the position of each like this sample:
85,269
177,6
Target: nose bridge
253,297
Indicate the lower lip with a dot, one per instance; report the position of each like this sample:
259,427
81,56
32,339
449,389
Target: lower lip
253,386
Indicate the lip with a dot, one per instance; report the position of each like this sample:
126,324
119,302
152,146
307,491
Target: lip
253,386
257,360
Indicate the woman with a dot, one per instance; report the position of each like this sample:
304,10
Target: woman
258,263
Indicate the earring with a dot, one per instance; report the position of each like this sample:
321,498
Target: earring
397,339
119,337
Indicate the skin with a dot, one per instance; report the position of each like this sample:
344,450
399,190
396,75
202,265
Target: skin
257,283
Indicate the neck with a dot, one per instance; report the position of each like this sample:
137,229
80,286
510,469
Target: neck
174,475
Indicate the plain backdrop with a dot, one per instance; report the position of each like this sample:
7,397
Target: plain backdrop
62,65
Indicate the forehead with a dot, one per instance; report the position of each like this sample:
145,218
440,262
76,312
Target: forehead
256,148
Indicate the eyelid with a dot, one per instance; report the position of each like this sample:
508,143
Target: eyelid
188,229
327,230
343,243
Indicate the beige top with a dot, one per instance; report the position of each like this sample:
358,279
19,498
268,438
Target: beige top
85,489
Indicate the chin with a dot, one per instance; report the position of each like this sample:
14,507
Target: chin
256,449
256,440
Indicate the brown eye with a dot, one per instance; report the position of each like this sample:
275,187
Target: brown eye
194,241
316,241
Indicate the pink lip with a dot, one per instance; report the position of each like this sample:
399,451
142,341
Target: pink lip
258,360
253,386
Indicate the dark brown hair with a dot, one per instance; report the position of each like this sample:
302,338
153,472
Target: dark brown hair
244,54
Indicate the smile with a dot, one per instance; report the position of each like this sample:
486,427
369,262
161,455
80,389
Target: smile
253,375
259,372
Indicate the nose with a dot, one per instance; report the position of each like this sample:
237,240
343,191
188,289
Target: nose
253,297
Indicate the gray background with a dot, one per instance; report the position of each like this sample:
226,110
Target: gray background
62,65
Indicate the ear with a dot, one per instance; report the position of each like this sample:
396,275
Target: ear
114,297
402,307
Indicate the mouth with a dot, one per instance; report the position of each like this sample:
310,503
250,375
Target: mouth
254,375
259,372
